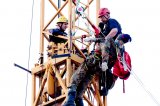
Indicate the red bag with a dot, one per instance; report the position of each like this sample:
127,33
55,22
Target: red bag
120,70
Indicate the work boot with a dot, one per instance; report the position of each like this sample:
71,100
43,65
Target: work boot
79,102
103,91
110,79
71,96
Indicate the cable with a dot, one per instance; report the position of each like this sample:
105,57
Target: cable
29,51
149,93
140,82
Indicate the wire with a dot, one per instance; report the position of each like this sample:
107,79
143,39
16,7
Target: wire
140,82
148,92
29,51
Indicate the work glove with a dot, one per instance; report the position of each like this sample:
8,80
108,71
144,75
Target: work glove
104,66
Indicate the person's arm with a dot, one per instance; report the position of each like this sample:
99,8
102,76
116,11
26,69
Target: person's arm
112,33
55,32
115,28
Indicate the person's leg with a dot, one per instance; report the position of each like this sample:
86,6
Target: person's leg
112,59
80,80
102,84
105,54
112,54
71,96
76,78
82,88
79,101
109,57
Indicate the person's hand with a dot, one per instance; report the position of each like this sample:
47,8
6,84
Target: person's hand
117,43
104,66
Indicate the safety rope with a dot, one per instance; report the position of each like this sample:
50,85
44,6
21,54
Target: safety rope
80,12
141,83
29,51
91,33
73,34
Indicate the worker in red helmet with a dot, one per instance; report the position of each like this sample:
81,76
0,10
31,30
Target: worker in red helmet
103,11
109,30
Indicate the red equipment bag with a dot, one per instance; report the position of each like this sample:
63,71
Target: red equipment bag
118,68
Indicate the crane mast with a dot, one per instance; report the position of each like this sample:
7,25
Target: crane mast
53,74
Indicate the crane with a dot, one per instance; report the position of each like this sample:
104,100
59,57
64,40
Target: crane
53,74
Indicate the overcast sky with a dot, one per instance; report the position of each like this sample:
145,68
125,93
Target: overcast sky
139,18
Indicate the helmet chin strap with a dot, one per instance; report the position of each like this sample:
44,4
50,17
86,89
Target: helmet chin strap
106,17
61,26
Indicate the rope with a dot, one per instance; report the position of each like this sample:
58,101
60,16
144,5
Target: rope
90,31
77,25
140,82
80,12
29,51
147,91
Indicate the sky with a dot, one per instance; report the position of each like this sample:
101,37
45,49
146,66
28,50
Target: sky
139,18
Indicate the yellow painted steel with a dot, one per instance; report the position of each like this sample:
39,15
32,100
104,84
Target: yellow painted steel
51,83
52,77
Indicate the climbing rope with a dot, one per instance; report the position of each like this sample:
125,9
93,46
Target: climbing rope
73,34
29,51
80,11
140,82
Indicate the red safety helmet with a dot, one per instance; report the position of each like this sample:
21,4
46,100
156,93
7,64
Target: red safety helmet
103,11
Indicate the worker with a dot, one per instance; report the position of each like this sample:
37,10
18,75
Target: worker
81,78
122,66
62,25
109,30
84,74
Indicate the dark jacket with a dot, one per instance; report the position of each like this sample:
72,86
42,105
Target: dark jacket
56,32
108,26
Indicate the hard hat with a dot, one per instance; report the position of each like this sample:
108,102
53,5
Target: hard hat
125,38
62,19
103,11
